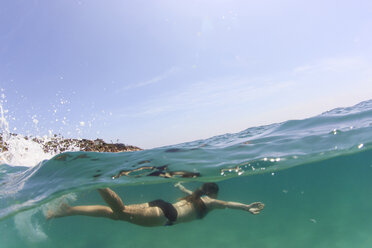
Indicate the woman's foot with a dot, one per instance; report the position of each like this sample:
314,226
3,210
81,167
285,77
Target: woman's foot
63,210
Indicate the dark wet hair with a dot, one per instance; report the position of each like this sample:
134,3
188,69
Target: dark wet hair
207,189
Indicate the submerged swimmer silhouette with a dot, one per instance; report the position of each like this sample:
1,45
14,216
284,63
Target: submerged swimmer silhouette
158,213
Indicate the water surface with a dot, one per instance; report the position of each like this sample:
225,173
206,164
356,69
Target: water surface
313,175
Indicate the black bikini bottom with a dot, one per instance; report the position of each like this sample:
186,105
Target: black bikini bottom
168,210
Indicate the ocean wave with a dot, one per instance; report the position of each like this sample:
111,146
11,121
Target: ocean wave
265,149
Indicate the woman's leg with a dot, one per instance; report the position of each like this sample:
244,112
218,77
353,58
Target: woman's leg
112,212
94,211
112,199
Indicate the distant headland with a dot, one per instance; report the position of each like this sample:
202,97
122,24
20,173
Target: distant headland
59,144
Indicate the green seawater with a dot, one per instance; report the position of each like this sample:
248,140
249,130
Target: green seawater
324,204
313,175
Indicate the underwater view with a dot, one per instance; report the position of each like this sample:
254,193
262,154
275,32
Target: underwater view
313,175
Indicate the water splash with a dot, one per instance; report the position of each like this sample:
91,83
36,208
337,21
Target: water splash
28,224
29,227
20,150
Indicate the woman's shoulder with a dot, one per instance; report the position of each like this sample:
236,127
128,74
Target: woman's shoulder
212,203
207,200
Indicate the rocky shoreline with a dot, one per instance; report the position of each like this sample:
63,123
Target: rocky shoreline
59,144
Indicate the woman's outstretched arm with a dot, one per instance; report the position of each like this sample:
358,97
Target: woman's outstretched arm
253,208
182,188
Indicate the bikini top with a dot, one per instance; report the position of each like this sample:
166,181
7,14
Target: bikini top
201,209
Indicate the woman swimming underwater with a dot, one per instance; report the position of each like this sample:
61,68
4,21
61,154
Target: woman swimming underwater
158,213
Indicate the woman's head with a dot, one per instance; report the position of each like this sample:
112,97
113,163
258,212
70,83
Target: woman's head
210,189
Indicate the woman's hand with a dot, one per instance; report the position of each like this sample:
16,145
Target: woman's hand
177,185
256,207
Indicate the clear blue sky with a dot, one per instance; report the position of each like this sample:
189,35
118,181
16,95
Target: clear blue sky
154,73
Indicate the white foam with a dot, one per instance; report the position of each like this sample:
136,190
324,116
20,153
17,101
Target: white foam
23,151
28,224
28,227
56,203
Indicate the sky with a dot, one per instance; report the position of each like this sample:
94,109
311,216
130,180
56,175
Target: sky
156,73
